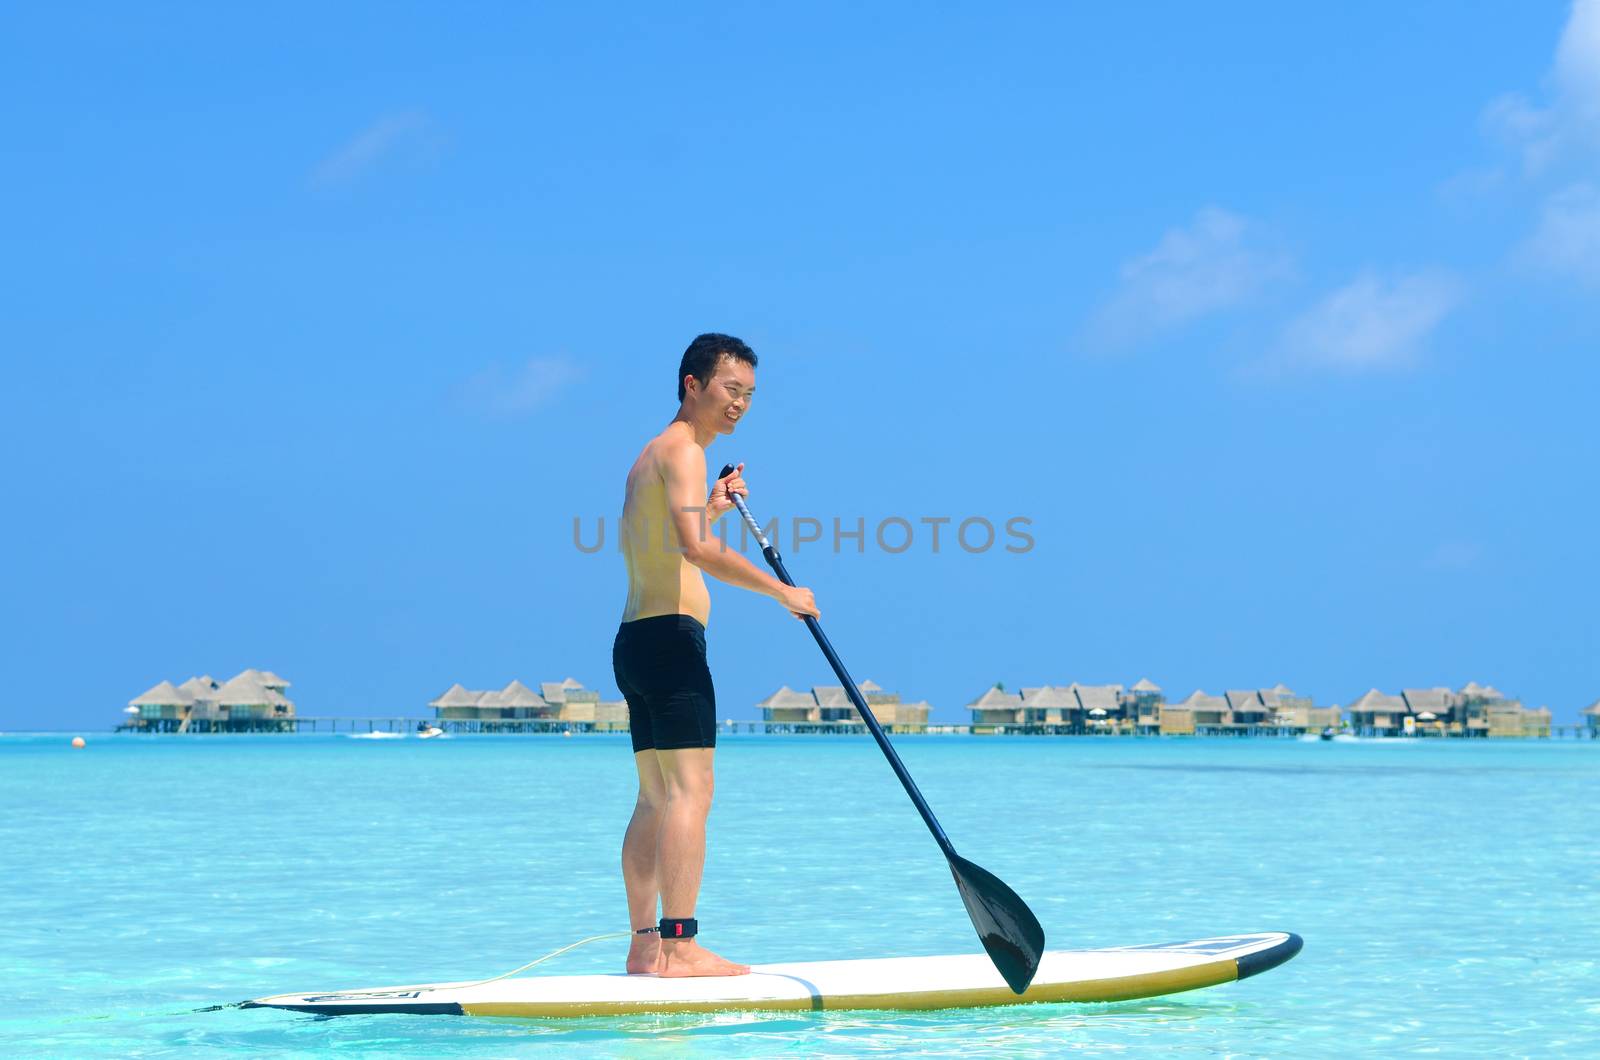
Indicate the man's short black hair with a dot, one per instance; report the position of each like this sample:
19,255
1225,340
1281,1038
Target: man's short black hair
700,359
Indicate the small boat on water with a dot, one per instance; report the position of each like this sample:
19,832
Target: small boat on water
1329,735
426,731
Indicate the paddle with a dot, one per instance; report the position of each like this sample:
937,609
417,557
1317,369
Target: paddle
1006,926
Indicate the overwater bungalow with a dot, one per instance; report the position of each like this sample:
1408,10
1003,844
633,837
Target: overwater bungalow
1177,719
1199,712
1434,711
1510,718
827,708
1143,706
995,710
1246,710
250,701
1474,710
580,706
788,707
558,705
1094,709
1100,708
1591,718
1483,710
1295,713
1276,710
455,699
1378,714
1069,709
1052,708
163,702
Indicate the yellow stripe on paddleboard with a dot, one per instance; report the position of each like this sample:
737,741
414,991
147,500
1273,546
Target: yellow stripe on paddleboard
1126,988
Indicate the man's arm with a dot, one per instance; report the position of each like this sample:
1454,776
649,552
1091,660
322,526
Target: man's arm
683,469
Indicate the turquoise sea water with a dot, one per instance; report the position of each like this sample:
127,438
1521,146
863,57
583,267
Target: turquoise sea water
1448,893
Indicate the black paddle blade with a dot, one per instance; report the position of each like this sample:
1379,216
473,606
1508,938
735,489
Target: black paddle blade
1006,926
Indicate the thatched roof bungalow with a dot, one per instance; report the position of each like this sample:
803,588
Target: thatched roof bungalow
1142,704
573,702
1475,703
1248,707
270,679
455,696
1296,713
1278,708
833,705
1378,714
557,701
203,688
1204,709
1071,708
201,704
1050,705
244,696
786,706
1434,709
829,706
1474,710
165,694
1098,704
996,707
163,703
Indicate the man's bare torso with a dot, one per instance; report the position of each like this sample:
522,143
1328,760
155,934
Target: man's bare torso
661,580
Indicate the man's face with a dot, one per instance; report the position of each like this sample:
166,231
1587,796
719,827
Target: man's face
727,397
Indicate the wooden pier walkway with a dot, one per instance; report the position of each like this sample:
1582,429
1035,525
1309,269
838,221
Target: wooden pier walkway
404,725
399,725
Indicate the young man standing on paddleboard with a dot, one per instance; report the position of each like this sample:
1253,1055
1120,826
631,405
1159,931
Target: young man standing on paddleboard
659,657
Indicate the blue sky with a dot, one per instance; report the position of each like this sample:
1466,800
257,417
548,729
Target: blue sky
1279,323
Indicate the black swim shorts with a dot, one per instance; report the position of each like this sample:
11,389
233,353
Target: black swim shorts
660,667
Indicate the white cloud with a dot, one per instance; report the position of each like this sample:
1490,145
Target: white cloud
1215,263
1570,121
1372,322
1560,139
1567,238
1532,132
1578,60
509,392
383,138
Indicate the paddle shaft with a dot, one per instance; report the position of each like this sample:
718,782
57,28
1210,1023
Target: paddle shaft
775,561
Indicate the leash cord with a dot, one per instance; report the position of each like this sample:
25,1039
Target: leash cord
546,957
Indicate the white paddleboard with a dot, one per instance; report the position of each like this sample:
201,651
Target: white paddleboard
964,981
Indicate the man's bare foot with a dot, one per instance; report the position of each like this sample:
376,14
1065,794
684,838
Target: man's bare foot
644,955
685,958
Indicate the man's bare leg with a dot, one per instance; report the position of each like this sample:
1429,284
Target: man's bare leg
639,863
681,855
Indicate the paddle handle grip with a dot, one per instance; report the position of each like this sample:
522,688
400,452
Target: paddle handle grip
859,701
749,520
